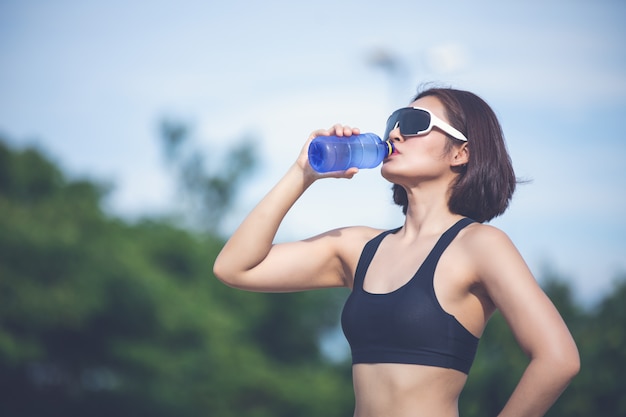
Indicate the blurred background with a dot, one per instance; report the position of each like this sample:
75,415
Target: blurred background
134,136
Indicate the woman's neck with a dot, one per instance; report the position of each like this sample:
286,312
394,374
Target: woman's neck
427,212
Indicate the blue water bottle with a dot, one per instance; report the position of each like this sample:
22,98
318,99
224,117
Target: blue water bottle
332,153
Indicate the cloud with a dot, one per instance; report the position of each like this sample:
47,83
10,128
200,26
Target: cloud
447,58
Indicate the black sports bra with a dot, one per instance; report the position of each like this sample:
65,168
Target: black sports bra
407,325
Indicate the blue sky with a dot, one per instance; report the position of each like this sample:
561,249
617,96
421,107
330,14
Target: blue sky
89,81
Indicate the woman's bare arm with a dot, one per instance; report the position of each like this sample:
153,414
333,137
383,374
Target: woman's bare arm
533,319
250,260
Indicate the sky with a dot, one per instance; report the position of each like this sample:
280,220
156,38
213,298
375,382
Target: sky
88,82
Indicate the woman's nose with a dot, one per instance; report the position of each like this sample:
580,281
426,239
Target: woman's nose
395,135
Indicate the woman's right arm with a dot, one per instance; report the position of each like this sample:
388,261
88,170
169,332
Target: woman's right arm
250,260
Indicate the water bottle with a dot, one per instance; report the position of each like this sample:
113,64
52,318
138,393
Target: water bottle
332,153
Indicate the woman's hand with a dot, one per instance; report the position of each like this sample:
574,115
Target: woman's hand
303,158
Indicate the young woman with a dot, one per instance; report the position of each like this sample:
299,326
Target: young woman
413,334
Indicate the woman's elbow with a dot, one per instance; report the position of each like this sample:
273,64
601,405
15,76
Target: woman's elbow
572,364
567,362
223,273
231,276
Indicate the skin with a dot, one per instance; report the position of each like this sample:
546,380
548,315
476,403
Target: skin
479,272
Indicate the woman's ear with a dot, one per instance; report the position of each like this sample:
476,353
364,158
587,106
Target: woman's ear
460,156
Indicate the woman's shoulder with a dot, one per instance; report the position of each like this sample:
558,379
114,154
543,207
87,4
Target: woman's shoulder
490,249
484,234
485,241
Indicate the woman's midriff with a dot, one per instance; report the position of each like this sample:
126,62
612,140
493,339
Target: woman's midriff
401,390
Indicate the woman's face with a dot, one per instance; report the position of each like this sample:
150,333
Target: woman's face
418,158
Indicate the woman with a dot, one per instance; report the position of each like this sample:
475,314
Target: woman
413,334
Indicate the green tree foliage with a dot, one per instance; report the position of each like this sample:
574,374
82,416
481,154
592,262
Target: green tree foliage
601,337
102,317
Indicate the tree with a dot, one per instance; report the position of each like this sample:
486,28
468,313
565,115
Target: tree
102,317
601,337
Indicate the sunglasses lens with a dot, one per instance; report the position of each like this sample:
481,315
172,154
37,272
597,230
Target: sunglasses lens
412,122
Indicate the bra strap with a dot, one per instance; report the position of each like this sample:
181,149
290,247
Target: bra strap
367,255
444,241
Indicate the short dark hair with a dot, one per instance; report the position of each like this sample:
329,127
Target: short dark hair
485,186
